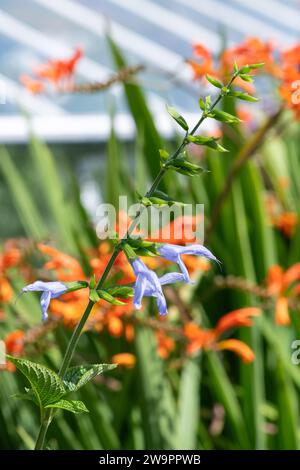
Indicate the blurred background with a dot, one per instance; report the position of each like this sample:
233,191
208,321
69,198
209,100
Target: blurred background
63,150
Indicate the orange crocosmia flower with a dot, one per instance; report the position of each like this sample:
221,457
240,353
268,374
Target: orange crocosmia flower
165,344
237,318
34,86
183,229
281,285
124,359
115,325
6,291
198,338
282,311
129,333
238,347
286,222
289,89
66,267
14,342
10,258
58,70
252,50
205,65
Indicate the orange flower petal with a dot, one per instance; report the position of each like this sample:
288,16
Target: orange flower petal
240,317
282,312
238,347
124,359
292,274
14,342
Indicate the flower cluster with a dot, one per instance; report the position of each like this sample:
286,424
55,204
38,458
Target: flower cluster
283,65
58,73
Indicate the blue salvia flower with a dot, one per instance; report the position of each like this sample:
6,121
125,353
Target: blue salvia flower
148,284
50,290
173,253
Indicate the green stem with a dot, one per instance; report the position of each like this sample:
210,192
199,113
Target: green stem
48,415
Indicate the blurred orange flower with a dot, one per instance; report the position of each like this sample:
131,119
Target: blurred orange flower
199,338
58,72
124,359
281,285
66,268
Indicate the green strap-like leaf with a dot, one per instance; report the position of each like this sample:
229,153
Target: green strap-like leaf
45,383
76,377
74,406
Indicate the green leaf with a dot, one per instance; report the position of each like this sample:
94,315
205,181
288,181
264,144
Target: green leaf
223,116
178,118
46,384
214,81
74,406
76,285
77,376
243,96
210,142
121,291
94,297
246,78
186,168
189,405
257,66
103,294
164,155
129,252
201,104
245,69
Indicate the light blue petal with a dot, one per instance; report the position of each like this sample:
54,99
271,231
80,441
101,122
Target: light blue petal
139,290
183,269
162,304
171,278
45,301
198,250
56,288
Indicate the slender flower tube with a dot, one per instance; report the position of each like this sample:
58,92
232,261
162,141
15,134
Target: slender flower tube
50,290
148,284
173,253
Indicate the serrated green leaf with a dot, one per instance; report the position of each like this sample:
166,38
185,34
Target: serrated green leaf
214,81
178,118
45,383
77,376
74,406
